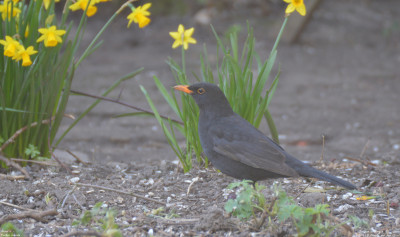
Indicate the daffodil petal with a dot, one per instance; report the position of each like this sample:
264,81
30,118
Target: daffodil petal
189,32
146,6
174,35
91,11
302,9
290,8
41,38
192,41
176,44
181,29
59,32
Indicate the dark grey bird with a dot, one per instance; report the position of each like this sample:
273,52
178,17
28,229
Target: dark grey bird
237,148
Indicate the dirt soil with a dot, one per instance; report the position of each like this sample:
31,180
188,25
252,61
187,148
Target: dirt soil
341,79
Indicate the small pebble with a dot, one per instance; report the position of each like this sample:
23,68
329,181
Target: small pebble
376,162
76,171
344,207
74,179
31,199
347,195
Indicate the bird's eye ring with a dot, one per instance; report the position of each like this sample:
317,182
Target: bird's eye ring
201,91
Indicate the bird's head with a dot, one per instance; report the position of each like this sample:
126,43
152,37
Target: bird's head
207,96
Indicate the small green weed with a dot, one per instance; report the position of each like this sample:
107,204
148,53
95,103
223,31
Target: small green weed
311,221
9,230
160,212
358,222
247,201
32,151
105,217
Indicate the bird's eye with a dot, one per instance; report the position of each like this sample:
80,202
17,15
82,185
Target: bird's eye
201,91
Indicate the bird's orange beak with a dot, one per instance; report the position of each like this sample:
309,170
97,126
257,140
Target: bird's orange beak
183,88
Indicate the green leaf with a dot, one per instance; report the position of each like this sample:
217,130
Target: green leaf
230,205
32,151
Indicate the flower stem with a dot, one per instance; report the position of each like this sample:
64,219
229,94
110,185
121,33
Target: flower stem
183,62
278,38
88,49
267,115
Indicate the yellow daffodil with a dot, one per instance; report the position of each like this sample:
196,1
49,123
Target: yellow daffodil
11,46
83,4
140,15
183,37
25,55
297,5
51,36
6,9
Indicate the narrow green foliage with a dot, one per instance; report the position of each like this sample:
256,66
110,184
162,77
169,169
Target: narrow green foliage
247,92
34,97
36,93
8,229
103,219
188,114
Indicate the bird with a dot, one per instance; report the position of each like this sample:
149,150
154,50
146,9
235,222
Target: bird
237,148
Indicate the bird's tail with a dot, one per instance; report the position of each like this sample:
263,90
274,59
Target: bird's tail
330,178
308,171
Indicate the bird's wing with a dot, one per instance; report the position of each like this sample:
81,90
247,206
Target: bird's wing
246,144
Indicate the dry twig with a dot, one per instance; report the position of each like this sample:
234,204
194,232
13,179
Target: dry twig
323,148
363,162
364,148
37,215
15,165
11,177
177,221
15,206
119,191
191,184
264,215
76,157
62,164
21,130
35,161
124,104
